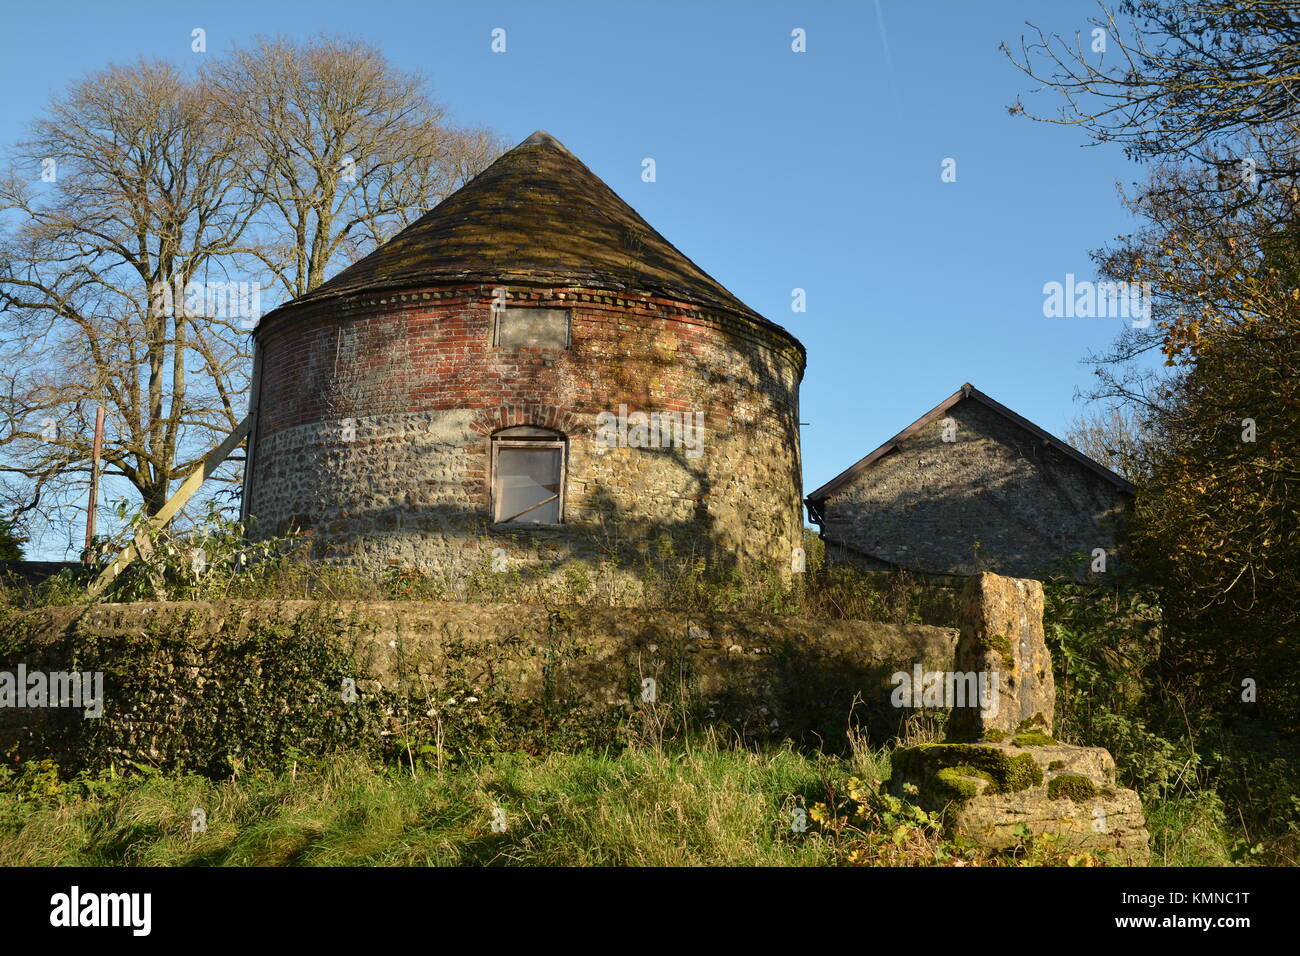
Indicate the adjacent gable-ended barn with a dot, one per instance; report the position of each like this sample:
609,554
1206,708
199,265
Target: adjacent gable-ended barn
972,486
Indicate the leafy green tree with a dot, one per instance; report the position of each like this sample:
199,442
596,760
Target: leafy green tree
11,542
1205,92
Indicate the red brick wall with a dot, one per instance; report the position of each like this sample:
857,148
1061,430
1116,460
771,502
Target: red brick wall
426,356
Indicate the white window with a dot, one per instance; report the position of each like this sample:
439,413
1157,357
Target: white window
527,476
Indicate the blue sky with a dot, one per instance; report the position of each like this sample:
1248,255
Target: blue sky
776,170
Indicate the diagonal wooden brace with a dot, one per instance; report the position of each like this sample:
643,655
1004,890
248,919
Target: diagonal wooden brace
168,511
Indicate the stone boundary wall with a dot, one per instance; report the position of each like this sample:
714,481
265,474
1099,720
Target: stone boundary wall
30,573
197,684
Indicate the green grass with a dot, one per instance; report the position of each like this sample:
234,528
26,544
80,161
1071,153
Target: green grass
1190,831
711,805
716,806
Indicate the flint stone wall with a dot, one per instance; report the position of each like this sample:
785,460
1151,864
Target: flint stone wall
995,499
422,386
185,680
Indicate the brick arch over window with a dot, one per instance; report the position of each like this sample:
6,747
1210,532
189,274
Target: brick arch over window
540,416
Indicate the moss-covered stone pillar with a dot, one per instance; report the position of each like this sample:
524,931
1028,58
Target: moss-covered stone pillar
1002,640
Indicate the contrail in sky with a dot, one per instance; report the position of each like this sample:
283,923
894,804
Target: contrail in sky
884,42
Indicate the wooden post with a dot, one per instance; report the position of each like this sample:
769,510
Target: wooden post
168,511
87,556
254,405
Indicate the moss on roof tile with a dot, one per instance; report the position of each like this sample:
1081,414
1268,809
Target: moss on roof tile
536,215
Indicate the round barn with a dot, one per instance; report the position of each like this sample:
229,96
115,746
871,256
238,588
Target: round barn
528,372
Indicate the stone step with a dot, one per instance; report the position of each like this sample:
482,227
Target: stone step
988,791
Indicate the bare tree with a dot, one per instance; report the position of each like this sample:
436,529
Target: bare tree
121,192
1113,436
1179,78
138,222
345,149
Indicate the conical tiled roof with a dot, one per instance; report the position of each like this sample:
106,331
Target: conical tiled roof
537,214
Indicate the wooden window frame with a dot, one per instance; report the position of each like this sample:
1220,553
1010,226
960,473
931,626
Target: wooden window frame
551,440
